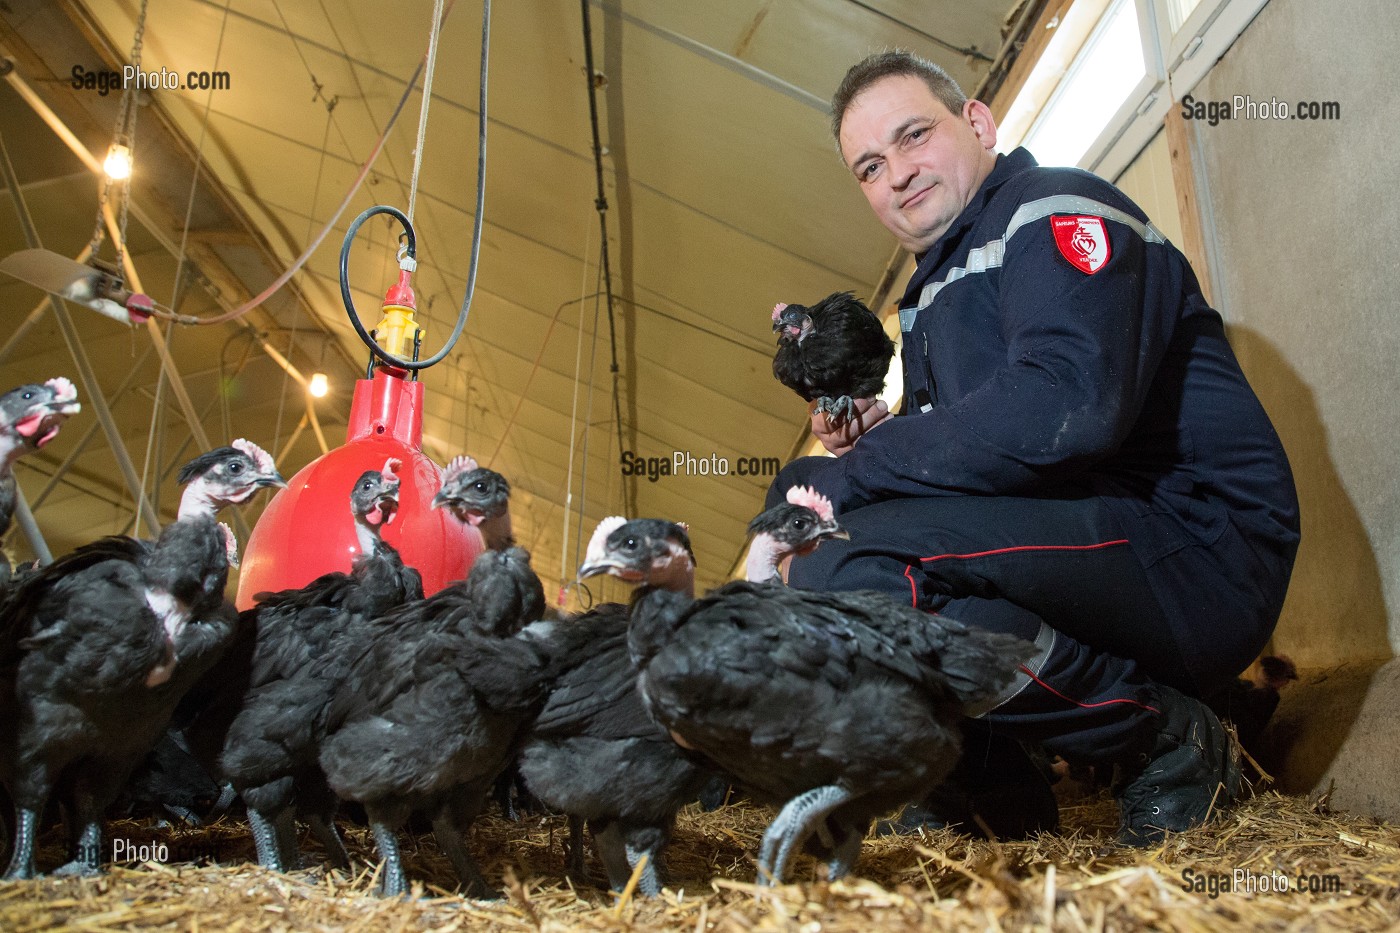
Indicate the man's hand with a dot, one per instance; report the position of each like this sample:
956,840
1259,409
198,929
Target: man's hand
841,437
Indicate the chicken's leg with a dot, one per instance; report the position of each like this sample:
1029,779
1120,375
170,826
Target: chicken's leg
576,868
844,853
22,858
650,881
613,851
87,854
449,839
794,823
391,882
837,410
266,840
319,803
325,832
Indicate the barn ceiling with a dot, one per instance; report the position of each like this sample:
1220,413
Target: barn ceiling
724,195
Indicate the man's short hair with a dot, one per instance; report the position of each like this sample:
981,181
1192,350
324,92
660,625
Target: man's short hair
887,64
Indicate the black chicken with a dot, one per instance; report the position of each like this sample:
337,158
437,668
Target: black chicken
30,417
1249,702
840,706
509,596
278,704
595,754
435,701
478,497
98,647
834,352
796,528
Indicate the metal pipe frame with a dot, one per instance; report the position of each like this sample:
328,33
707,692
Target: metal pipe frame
75,346
91,432
24,518
201,437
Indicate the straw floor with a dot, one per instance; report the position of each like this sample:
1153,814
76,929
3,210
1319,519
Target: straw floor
1275,863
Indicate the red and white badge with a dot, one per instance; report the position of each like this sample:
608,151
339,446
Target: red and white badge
1082,240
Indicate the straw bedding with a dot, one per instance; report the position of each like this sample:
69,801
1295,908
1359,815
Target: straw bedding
1302,867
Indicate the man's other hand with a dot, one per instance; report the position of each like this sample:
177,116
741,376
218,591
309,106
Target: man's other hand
842,436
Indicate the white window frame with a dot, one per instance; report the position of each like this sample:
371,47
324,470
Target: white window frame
1142,112
1173,65
1195,48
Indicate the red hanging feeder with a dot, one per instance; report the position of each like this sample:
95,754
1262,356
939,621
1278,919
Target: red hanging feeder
307,530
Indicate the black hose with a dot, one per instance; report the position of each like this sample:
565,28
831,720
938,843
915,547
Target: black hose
345,296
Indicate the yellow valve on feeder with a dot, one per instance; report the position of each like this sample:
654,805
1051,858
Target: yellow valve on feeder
398,325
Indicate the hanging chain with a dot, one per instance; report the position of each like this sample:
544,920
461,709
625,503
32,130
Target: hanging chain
124,134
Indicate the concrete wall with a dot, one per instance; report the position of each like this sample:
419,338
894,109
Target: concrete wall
1304,231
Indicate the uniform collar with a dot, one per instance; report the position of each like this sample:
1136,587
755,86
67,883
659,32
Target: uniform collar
1007,166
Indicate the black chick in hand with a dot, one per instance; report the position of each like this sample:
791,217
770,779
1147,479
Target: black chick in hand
834,352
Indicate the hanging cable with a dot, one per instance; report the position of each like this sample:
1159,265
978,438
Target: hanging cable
588,424
198,164
124,135
335,217
423,109
602,204
410,250
573,424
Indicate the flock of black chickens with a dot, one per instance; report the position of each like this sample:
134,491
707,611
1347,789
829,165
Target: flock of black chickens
837,708
125,658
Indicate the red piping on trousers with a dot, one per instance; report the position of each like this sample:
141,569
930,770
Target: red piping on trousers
914,587
1026,547
1031,674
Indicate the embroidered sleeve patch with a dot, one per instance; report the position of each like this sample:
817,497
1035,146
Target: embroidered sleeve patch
1082,240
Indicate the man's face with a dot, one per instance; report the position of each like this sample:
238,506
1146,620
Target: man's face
917,163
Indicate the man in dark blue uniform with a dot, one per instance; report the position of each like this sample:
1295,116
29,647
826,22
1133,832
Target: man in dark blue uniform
1079,459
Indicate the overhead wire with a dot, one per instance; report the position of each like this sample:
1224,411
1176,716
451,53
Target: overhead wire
198,165
335,217
588,417
573,419
377,351
602,205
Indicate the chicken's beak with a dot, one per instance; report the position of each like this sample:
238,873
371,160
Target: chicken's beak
839,533
442,498
271,479
596,566
792,317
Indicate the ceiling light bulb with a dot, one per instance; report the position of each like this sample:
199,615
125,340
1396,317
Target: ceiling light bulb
319,385
118,163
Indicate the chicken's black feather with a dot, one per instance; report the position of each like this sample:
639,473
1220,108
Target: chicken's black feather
844,353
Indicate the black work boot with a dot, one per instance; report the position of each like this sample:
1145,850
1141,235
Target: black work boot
1190,773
